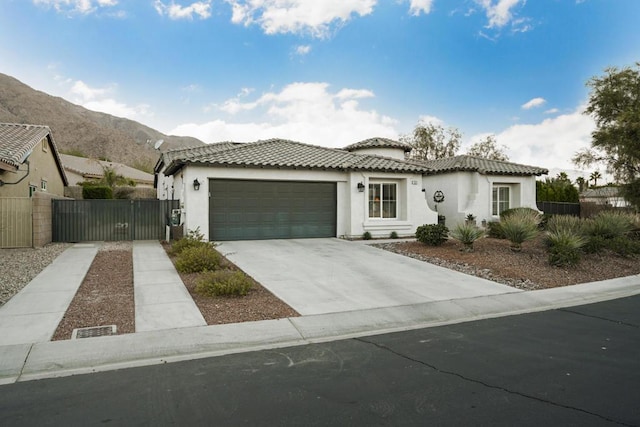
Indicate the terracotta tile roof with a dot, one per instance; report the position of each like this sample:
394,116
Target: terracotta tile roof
285,154
17,141
185,154
378,143
93,168
480,165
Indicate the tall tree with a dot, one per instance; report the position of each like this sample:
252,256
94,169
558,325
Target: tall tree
556,190
431,141
614,103
582,183
595,176
488,148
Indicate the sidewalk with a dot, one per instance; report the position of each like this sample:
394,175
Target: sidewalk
22,360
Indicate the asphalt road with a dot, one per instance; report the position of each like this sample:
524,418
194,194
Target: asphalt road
577,366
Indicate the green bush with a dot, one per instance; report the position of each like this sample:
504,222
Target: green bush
526,212
194,238
519,226
432,234
623,246
610,224
366,235
467,234
393,235
594,244
97,192
561,223
223,283
198,258
494,230
564,247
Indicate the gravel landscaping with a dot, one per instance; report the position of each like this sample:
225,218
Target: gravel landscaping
19,266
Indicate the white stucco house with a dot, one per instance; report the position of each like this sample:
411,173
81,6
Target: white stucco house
284,189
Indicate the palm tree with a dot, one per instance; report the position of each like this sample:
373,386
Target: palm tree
595,176
581,183
562,176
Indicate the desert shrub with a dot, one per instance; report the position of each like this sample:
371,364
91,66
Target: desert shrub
623,246
564,247
610,224
520,212
97,192
393,235
594,244
494,230
467,234
519,226
557,223
123,193
194,238
223,283
432,234
366,235
198,258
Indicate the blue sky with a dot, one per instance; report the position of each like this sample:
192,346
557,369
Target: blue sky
329,72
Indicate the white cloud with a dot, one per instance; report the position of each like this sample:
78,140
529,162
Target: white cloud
306,112
552,111
533,103
100,99
302,50
432,120
417,7
76,6
315,17
201,9
499,12
551,143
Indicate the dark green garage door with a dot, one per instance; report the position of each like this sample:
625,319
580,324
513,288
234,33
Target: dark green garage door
248,210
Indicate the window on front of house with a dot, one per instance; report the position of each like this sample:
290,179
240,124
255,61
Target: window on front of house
500,200
43,185
383,201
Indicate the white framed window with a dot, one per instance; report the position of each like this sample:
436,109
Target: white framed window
43,185
32,189
45,145
383,200
500,200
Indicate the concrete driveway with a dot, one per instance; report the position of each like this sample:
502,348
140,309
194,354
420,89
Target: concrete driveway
316,276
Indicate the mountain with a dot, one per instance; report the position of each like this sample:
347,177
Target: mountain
79,131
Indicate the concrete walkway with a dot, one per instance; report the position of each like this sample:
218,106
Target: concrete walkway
34,313
161,299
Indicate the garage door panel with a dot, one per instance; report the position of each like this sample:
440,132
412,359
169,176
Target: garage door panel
241,210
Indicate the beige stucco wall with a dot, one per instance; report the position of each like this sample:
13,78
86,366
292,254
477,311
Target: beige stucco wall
42,167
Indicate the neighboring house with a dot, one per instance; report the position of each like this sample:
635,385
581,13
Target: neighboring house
481,187
285,189
80,169
29,161
606,196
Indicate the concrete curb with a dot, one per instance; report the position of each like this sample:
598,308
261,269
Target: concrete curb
62,358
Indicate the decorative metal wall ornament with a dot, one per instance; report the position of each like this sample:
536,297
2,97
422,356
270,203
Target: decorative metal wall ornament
438,196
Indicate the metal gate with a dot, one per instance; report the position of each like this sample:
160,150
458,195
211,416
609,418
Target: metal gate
15,222
109,220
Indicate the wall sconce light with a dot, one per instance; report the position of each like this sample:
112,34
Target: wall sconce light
196,184
360,187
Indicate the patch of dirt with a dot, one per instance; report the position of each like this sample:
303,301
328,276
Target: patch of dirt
258,304
529,269
106,296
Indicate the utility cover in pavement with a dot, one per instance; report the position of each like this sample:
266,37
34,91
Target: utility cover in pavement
94,331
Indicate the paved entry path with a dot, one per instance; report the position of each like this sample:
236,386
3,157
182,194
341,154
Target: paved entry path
316,276
161,299
34,313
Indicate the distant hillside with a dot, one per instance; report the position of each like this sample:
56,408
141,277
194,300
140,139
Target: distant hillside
79,131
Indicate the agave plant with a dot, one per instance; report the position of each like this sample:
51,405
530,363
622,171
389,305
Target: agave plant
467,234
520,226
